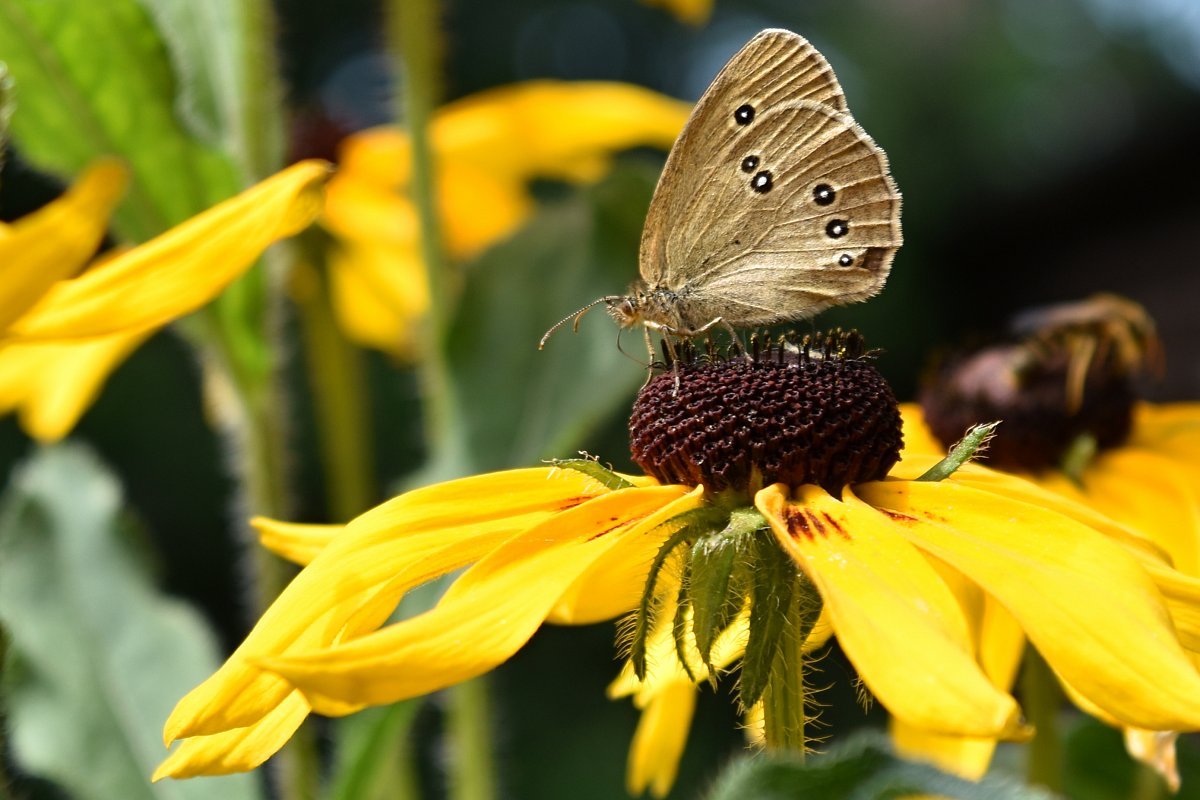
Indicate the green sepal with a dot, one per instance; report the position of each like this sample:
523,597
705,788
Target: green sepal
971,445
679,625
715,596
693,524
593,469
774,581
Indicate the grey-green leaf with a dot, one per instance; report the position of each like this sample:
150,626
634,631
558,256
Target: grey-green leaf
95,79
97,656
861,769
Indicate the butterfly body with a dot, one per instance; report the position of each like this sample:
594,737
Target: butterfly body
773,204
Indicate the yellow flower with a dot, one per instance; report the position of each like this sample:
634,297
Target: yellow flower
487,148
775,495
61,336
1066,383
693,12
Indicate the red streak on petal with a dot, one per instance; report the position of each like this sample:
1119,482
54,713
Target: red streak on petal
896,516
627,522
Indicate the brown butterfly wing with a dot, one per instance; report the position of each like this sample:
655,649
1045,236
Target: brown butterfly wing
776,67
798,214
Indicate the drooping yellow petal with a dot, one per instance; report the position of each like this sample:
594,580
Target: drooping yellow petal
239,749
400,544
56,241
184,268
51,384
613,584
1084,601
659,739
486,615
297,542
897,621
1000,643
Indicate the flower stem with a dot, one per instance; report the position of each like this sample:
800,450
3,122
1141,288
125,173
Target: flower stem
473,769
783,700
1042,699
414,35
337,379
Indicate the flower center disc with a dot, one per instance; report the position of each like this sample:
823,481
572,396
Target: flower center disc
813,411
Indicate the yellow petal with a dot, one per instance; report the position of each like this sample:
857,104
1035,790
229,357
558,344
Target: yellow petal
1084,601
917,436
410,539
897,621
554,129
379,294
298,543
478,207
181,270
237,750
1145,490
56,241
613,584
693,12
1000,642
486,615
51,384
659,740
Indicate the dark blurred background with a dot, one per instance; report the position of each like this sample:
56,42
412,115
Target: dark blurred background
1045,151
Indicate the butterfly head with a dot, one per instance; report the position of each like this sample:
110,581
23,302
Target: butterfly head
625,309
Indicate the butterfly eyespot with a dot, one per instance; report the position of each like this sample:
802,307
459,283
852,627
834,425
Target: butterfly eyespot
823,194
846,259
749,163
744,114
761,182
837,228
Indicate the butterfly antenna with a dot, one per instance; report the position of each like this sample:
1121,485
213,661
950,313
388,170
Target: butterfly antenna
576,316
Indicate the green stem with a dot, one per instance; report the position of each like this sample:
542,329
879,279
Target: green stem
337,378
1042,700
1147,784
257,126
468,718
415,36
784,717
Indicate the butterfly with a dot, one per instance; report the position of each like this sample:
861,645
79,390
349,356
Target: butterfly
773,204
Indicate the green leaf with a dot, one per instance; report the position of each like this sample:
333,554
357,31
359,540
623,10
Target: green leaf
97,657
6,107
520,405
862,769
95,79
229,97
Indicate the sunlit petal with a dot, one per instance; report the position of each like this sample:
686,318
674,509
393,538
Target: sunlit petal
895,618
50,385
298,543
486,615
56,241
1084,601
237,750
184,268
408,540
